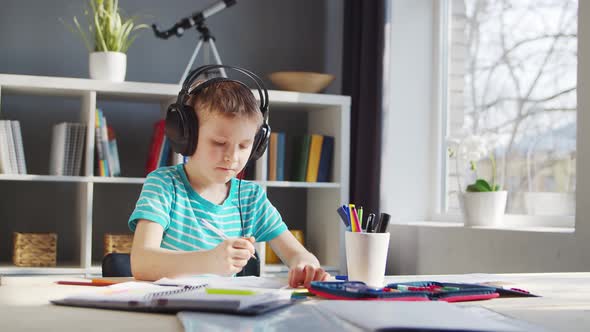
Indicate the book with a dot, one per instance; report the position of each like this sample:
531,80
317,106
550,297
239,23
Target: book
281,141
144,296
5,165
313,163
272,157
114,151
326,157
19,148
301,149
155,147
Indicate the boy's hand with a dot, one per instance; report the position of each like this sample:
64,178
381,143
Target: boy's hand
231,255
304,274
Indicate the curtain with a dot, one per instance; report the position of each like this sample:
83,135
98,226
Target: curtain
363,49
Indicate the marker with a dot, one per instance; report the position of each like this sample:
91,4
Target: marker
371,223
343,216
83,283
225,291
383,223
361,221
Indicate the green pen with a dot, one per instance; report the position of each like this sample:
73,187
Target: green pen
225,291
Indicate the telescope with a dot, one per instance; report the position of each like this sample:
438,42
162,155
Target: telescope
197,20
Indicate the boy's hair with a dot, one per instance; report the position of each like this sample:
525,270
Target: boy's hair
230,99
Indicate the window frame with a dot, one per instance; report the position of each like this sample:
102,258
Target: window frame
439,145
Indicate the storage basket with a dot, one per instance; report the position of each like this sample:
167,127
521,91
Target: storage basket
119,243
34,249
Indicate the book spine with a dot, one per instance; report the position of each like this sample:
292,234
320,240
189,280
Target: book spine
315,149
272,157
20,150
280,156
325,168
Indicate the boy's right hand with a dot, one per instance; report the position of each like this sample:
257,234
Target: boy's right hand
231,255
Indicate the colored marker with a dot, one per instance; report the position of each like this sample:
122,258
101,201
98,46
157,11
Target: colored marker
224,291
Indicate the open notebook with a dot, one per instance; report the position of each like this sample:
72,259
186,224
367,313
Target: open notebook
142,296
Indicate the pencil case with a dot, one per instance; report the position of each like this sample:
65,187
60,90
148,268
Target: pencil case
407,291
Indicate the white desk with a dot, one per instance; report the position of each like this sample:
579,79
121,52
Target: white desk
24,305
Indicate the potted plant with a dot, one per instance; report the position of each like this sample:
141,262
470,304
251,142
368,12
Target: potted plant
107,38
483,202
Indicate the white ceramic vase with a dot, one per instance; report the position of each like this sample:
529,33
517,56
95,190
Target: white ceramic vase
108,66
484,208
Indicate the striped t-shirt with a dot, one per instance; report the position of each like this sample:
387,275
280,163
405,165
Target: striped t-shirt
168,199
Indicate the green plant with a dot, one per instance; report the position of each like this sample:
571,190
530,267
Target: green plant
109,31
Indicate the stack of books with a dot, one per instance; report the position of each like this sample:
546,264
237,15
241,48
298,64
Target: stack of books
12,154
106,151
305,158
160,153
67,148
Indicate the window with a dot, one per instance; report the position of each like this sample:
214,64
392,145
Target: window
511,81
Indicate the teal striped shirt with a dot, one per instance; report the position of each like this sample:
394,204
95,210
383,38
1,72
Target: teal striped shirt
168,199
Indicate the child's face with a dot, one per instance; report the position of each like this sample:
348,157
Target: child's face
224,146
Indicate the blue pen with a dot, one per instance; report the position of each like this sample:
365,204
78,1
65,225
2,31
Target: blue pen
344,217
348,222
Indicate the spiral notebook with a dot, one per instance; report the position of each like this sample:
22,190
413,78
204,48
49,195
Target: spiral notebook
141,296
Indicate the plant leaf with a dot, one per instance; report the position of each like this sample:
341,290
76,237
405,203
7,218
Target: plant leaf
479,186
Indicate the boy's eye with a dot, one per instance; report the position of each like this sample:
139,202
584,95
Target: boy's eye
218,143
244,146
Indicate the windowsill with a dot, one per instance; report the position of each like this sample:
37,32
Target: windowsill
446,224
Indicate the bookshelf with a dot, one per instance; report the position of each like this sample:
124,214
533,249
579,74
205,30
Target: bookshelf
307,206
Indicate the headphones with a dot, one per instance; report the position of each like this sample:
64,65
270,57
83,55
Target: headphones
182,124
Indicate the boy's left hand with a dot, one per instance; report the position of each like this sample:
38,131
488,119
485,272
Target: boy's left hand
304,274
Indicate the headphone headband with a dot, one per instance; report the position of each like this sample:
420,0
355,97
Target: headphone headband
195,73
182,124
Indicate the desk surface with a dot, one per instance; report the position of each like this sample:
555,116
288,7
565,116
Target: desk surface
24,304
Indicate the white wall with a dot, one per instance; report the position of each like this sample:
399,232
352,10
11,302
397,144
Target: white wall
409,175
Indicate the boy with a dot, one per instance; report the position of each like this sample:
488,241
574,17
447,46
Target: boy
188,220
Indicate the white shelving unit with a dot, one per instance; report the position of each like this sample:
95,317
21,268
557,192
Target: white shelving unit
325,114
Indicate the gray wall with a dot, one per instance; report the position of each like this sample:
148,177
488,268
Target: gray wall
261,35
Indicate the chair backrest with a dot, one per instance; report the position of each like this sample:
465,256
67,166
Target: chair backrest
116,265
119,265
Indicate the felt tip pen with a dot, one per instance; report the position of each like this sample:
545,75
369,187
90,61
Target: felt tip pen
224,291
383,223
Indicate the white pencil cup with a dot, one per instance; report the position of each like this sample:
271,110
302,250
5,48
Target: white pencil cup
366,255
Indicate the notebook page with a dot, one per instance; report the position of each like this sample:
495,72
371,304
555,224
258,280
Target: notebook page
226,282
122,293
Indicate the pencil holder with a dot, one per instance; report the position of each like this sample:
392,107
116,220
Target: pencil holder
119,243
271,257
366,257
34,249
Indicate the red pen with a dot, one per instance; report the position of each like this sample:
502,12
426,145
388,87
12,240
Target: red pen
84,283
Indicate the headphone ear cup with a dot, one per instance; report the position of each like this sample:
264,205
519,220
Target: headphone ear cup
260,142
175,130
193,130
181,129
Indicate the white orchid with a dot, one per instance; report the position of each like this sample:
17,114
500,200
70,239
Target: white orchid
471,149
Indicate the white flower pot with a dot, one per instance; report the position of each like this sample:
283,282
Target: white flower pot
109,66
484,208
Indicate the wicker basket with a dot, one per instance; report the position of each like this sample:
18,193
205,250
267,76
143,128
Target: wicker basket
120,243
34,249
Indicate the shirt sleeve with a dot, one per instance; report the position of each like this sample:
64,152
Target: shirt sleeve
268,222
155,201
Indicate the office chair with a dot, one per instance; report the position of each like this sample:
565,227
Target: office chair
119,265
